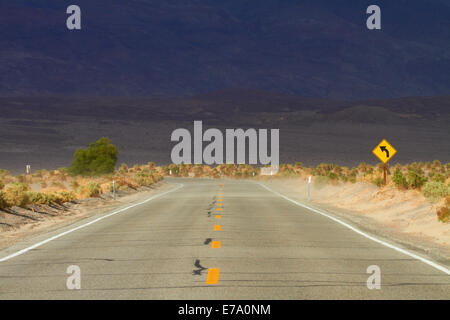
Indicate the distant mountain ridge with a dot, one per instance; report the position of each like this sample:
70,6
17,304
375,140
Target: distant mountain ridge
308,48
220,104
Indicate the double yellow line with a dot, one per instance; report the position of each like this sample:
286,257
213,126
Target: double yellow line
214,273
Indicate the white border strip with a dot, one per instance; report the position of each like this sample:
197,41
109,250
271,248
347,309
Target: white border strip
430,263
18,253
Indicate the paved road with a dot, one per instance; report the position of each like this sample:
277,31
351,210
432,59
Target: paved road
270,248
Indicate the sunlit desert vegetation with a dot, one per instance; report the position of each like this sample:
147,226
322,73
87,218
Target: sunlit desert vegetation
432,179
91,174
94,169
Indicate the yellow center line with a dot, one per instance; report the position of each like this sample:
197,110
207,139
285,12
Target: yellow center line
219,209
217,227
215,244
218,216
213,276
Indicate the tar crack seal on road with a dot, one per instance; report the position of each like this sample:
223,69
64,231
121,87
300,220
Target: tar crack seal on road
198,272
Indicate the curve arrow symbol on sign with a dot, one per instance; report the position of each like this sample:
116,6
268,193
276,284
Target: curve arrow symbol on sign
383,148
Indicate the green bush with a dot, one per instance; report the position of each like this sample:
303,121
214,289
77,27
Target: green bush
399,179
416,179
2,185
100,158
435,190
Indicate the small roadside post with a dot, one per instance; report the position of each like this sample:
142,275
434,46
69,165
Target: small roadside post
114,189
309,188
28,169
384,151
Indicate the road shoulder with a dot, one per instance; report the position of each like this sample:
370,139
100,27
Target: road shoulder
415,242
72,215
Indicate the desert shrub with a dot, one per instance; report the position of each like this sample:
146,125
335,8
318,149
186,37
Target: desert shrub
198,170
40,198
74,185
380,167
399,179
165,170
94,189
416,179
157,177
3,202
435,190
63,170
436,164
123,168
17,195
41,173
353,174
215,173
100,158
64,196
58,185
144,179
123,184
89,190
437,177
2,185
378,181
43,184
331,175
174,169
444,212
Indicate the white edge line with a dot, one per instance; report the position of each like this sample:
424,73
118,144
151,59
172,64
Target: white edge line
18,253
415,256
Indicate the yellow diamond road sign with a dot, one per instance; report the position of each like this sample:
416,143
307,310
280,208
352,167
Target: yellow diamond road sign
384,151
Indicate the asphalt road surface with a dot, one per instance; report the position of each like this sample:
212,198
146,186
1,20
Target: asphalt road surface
171,248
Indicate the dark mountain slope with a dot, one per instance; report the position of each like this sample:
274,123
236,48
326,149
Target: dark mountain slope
307,48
